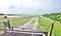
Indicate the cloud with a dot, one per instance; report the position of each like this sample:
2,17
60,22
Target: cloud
30,6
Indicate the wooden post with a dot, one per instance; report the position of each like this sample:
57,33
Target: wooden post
5,27
5,24
51,29
12,28
9,24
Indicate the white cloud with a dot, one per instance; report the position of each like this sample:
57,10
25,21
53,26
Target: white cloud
3,4
26,5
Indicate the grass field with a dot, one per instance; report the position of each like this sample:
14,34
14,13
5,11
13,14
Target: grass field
45,25
16,22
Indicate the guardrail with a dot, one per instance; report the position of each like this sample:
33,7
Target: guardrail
30,33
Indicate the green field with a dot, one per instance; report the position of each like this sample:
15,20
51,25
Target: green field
45,25
16,22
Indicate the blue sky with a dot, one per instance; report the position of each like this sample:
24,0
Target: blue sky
30,6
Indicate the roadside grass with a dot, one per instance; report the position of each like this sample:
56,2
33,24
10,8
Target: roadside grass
21,21
45,25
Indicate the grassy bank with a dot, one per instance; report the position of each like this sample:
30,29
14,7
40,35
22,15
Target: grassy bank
45,25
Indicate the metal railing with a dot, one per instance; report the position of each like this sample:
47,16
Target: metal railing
29,33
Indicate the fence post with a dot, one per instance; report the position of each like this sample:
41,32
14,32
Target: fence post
9,24
5,24
12,28
51,29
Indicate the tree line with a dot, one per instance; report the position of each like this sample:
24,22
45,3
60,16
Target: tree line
54,16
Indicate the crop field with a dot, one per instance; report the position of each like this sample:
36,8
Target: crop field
45,25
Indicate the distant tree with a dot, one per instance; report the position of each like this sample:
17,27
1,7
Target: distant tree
54,16
1,14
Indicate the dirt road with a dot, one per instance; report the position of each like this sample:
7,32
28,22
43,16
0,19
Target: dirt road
27,29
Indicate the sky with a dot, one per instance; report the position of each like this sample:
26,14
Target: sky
30,6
